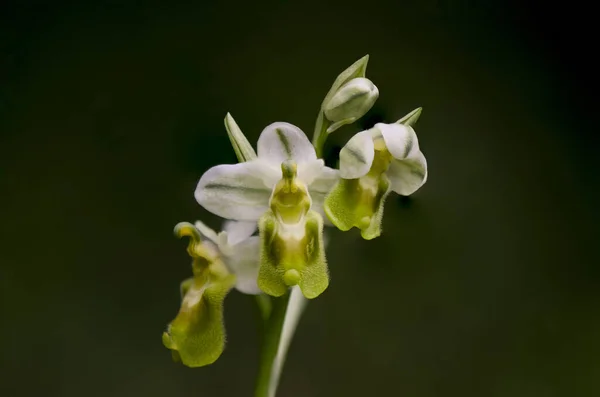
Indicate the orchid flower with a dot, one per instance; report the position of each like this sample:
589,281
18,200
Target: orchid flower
220,261
283,187
374,162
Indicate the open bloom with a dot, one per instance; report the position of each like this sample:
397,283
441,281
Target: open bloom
374,162
284,187
243,191
196,336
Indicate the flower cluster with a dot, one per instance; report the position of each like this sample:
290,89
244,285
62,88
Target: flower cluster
285,191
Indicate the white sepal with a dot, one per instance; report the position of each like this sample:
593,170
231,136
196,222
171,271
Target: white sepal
357,155
236,191
408,175
281,141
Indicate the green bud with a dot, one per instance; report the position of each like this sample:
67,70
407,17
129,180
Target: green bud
360,202
196,336
352,101
324,126
357,69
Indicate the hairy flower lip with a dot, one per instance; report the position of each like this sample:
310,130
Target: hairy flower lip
292,254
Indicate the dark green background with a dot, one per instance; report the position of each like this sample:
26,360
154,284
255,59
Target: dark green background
484,283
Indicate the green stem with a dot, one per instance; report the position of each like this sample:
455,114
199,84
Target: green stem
320,134
273,328
278,332
264,305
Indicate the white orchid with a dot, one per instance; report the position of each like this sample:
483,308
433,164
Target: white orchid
374,162
243,191
284,187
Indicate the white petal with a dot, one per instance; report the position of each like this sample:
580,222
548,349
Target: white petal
357,155
320,188
270,173
223,245
283,141
238,231
206,231
235,191
401,141
409,174
308,171
244,263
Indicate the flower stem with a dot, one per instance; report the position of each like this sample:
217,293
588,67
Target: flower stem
320,134
265,305
278,332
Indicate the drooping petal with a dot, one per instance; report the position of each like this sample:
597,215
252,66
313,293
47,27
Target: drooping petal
401,141
408,175
357,155
236,191
408,170
238,231
283,141
244,263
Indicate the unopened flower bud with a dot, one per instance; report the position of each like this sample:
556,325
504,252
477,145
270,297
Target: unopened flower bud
352,101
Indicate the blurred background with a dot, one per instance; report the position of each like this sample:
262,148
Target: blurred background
484,283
